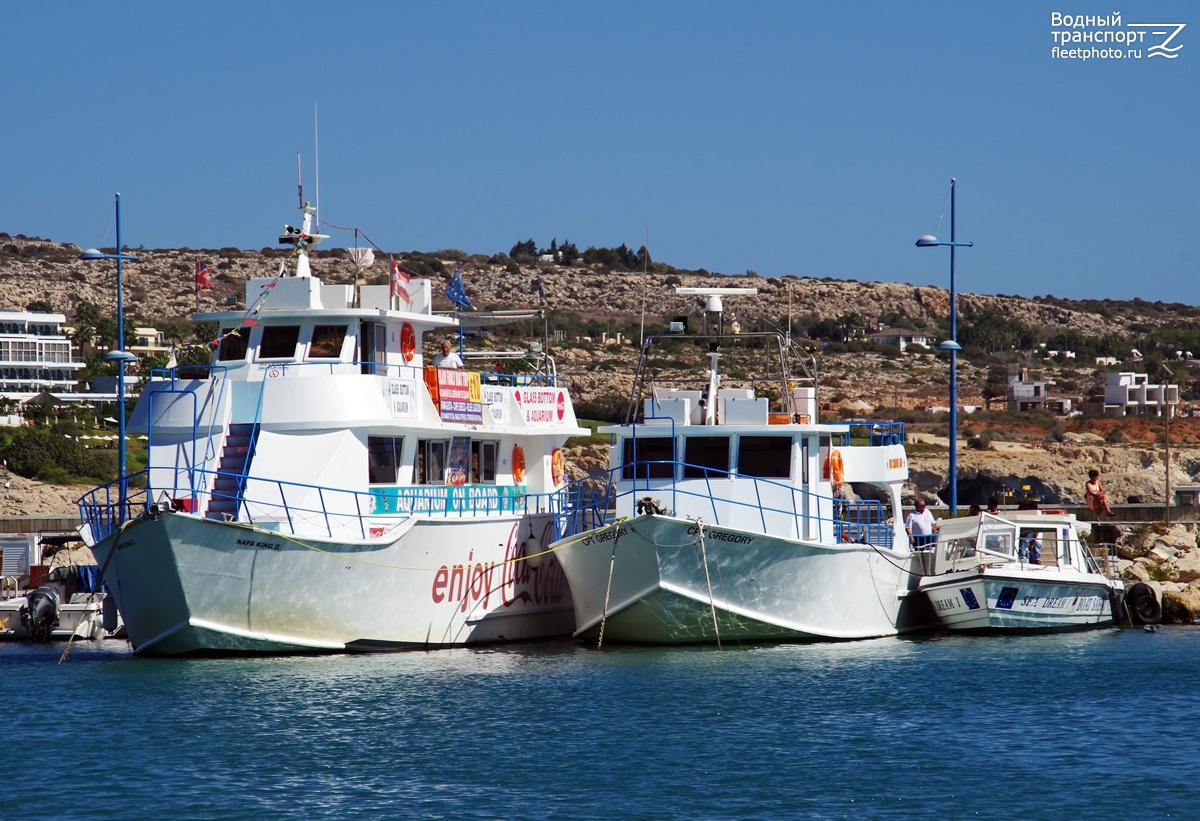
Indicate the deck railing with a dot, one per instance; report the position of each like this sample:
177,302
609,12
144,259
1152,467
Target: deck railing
601,498
311,510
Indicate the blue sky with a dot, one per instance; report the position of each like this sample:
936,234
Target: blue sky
780,137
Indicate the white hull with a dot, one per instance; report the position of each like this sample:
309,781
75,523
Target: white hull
1031,599
187,584
668,585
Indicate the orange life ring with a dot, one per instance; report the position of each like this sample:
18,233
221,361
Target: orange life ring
408,342
518,464
835,470
557,465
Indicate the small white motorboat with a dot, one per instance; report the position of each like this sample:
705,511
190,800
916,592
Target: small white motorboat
1025,570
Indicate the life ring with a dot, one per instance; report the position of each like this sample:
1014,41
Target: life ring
835,470
557,466
408,342
518,464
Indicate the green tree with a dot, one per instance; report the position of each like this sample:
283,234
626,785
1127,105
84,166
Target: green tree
568,253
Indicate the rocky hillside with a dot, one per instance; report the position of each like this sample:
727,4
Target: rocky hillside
159,291
160,288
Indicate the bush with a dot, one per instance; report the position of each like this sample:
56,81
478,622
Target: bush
46,454
608,407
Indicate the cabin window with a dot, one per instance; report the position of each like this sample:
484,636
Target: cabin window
705,456
327,342
279,342
769,457
483,462
383,458
234,342
649,449
431,461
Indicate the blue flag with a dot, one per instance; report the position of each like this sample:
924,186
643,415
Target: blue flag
457,293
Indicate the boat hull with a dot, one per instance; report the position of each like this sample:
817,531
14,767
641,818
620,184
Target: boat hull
187,584
653,579
998,600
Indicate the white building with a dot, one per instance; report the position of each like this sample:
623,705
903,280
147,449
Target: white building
1131,394
901,338
35,356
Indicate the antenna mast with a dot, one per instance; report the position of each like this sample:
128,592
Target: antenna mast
299,184
316,169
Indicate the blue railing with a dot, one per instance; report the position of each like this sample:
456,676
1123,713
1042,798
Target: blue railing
596,500
314,510
875,434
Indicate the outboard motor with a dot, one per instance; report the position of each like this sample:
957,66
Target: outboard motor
40,613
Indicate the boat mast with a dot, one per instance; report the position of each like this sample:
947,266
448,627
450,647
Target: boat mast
307,236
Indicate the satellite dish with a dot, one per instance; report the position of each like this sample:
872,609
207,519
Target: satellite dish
363,257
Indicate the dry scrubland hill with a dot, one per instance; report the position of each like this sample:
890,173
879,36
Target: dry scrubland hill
159,290
159,287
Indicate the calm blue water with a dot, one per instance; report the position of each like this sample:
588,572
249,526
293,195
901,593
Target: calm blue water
1100,724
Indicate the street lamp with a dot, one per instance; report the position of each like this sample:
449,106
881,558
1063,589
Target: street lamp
120,356
951,345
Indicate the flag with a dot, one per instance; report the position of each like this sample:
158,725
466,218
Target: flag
172,361
203,277
457,292
399,279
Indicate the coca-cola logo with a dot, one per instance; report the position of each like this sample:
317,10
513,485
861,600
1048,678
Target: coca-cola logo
562,405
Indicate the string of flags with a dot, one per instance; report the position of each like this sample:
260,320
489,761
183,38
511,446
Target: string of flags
398,279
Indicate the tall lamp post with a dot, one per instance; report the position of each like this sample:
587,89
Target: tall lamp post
951,345
119,355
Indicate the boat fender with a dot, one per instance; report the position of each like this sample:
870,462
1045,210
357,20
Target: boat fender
835,470
557,465
109,616
518,464
1142,603
408,342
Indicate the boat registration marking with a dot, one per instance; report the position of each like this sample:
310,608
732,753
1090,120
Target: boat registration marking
603,536
265,545
722,536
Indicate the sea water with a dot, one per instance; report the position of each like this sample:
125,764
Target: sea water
1098,724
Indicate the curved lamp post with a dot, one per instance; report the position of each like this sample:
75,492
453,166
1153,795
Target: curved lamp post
119,355
951,345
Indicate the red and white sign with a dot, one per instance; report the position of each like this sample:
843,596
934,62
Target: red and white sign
541,406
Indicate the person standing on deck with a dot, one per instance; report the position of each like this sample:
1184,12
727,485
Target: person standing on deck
447,358
920,526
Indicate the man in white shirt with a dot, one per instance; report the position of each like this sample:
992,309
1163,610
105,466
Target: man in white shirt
920,526
447,358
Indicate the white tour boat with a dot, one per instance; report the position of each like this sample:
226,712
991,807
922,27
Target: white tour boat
721,520
322,487
1023,570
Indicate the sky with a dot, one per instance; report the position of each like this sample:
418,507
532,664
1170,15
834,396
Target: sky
801,138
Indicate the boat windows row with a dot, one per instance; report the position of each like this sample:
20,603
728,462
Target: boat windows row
766,457
457,460
281,341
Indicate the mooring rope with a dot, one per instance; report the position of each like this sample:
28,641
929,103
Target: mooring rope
708,581
612,560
